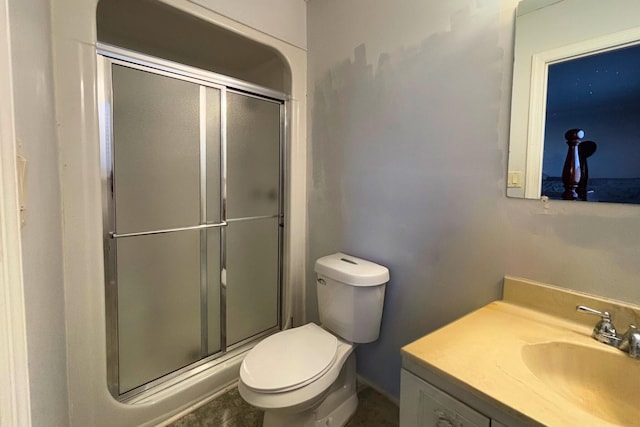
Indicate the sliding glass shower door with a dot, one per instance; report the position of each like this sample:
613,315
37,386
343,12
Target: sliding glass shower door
193,217
252,212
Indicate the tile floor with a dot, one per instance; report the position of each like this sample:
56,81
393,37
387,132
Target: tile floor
229,410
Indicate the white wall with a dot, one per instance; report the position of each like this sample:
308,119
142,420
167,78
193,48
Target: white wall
283,19
409,110
30,26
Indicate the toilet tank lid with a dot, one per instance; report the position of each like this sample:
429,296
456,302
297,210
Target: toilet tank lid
351,270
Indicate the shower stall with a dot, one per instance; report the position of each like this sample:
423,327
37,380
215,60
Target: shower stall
192,173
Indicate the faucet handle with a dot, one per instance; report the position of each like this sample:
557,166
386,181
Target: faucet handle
605,315
631,342
604,331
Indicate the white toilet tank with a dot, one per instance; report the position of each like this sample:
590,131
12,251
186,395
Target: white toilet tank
351,296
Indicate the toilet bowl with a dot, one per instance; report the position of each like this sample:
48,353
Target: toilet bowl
306,376
291,389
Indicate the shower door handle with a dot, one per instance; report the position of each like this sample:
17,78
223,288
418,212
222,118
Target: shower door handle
114,235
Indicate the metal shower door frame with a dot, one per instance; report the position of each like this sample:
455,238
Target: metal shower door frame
107,56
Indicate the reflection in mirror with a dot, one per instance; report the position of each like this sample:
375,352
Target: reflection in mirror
575,133
600,95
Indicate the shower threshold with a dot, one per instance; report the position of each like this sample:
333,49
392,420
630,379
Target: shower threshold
225,366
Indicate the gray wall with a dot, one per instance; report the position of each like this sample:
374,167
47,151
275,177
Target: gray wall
41,234
409,107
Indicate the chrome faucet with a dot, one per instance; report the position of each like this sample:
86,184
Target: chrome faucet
605,332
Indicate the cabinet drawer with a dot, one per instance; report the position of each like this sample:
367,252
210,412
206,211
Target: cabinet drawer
422,405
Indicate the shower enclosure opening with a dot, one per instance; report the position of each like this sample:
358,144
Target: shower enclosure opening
193,193
193,196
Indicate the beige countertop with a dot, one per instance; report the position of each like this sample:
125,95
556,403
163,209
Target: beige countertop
483,356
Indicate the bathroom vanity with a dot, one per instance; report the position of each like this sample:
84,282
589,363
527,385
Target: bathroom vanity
526,360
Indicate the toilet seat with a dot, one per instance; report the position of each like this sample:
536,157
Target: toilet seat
289,359
302,396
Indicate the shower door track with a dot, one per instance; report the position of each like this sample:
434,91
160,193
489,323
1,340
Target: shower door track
108,55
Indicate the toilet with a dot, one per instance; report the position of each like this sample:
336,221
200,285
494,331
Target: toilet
306,376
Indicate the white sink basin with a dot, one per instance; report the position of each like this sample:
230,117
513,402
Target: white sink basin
601,380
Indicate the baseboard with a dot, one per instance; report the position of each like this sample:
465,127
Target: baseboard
367,383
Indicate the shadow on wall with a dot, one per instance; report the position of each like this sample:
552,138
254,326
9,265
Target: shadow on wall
407,168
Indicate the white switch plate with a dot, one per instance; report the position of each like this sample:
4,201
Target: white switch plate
514,179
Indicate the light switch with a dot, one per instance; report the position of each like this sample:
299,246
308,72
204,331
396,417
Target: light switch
514,179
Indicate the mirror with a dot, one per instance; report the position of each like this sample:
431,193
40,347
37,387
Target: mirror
576,74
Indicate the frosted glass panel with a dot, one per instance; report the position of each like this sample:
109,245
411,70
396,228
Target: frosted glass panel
156,138
252,278
158,305
165,303
253,153
212,120
213,290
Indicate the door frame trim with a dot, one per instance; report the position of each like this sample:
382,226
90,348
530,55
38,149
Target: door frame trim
15,404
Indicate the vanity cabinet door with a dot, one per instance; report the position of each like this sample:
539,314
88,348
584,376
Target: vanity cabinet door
422,405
